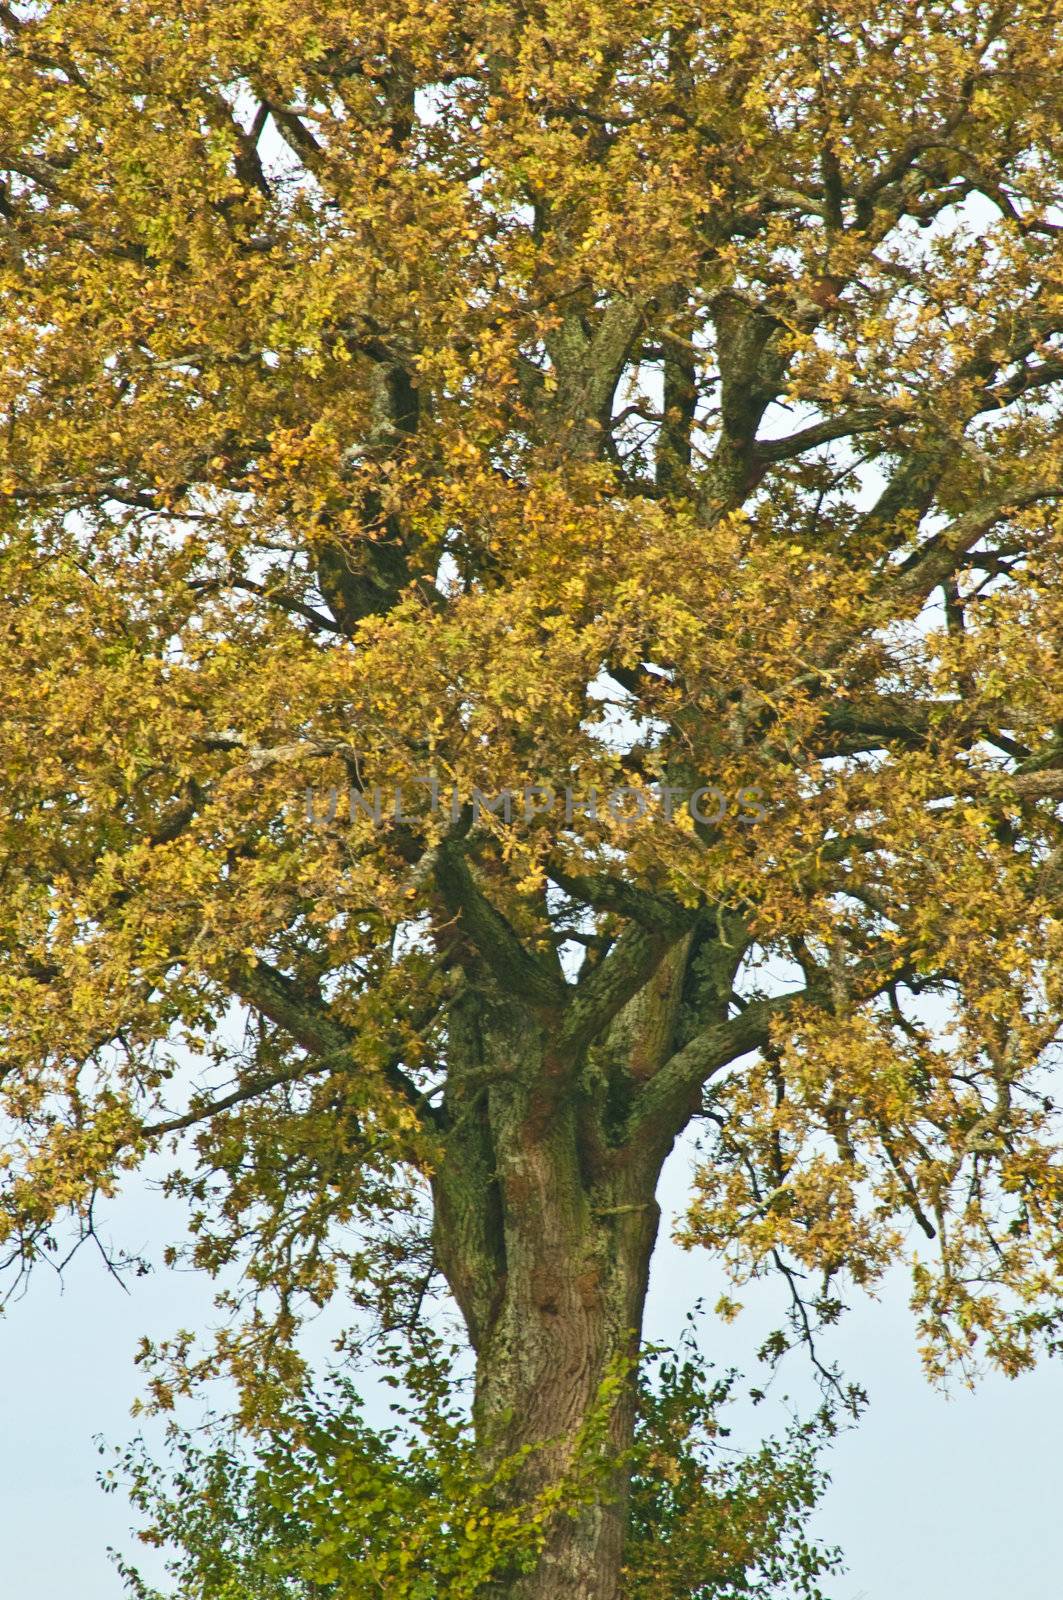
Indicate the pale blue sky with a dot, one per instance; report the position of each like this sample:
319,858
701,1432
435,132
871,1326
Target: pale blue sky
931,1497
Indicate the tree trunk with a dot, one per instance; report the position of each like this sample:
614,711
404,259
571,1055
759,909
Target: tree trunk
571,1310
548,1253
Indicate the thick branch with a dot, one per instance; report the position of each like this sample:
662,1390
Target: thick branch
606,893
607,988
665,1103
862,419
521,973
944,553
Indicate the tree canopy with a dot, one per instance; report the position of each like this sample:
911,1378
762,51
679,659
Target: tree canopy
653,400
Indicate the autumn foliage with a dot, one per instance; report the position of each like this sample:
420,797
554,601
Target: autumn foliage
509,396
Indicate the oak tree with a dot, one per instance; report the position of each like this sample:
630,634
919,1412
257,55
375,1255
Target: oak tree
650,410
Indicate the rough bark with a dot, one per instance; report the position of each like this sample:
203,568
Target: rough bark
573,1303
545,1235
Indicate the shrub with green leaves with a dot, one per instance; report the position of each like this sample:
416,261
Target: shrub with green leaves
328,1507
